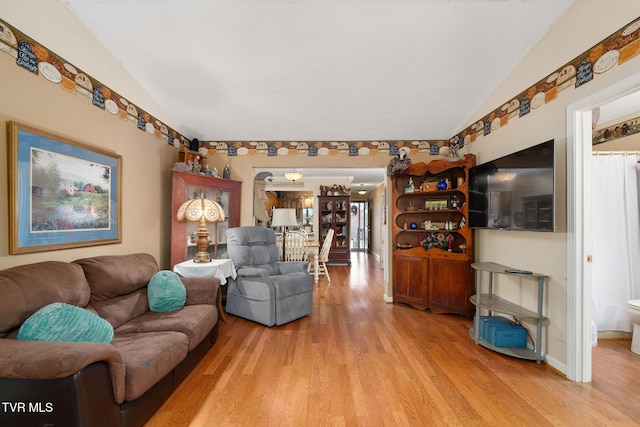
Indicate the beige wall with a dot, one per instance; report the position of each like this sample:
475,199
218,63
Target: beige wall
583,26
33,100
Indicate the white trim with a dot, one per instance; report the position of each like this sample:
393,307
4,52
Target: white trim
579,225
555,363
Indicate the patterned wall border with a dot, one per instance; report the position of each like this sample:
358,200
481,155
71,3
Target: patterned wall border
325,148
37,59
617,131
616,49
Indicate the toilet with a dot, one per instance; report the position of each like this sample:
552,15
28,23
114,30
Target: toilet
633,311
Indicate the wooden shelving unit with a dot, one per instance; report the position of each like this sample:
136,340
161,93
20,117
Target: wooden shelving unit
433,246
335,212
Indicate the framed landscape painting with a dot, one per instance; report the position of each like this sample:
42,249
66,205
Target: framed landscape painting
63,194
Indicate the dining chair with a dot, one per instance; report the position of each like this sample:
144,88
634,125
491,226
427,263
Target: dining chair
295,246
323,256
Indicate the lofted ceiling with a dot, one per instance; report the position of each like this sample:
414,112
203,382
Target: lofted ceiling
318,70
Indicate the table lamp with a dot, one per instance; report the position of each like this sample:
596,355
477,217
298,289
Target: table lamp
202,210
283,217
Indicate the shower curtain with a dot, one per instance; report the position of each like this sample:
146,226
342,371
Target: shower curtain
616,238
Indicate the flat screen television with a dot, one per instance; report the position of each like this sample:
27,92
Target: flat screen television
514,192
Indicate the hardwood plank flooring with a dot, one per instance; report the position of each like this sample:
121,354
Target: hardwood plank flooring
358,361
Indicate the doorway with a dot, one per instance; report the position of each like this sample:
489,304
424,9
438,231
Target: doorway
579,226
360,229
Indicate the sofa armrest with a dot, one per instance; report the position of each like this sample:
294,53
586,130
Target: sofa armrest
201,290
50,360
287,267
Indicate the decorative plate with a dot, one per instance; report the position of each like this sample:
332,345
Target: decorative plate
111,106
517,219
363,151
50,72
537,100
606,61
631,28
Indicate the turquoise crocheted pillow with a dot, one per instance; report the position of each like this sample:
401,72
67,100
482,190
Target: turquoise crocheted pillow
65,323
166,292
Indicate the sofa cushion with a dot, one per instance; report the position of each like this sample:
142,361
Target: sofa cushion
194,321
148,357
122,309
27,288
59,322
112,276
166,292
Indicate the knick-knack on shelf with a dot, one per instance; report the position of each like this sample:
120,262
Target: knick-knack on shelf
226,173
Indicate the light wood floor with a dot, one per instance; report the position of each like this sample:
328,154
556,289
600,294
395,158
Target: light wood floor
358,361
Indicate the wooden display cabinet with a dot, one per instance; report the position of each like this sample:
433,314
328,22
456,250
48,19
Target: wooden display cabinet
433,245
188,185
335,212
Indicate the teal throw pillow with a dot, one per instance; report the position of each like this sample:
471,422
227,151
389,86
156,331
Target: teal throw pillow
62,322
166,292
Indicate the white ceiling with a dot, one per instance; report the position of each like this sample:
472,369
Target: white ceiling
291,70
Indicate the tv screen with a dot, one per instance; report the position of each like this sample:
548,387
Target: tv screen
514,192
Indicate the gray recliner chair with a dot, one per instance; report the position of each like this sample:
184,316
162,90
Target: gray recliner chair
266,291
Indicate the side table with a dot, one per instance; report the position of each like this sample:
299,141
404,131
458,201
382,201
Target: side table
218,268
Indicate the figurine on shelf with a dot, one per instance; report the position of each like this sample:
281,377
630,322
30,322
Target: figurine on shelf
226,173
454,202
196,165
215,172
409,188
398,165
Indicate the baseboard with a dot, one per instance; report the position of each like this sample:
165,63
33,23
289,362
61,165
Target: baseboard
614,335
556,365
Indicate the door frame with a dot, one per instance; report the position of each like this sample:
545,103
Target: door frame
579,226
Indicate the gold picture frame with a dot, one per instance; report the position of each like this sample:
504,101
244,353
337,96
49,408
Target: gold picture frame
62,194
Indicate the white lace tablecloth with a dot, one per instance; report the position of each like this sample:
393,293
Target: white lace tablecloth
219,268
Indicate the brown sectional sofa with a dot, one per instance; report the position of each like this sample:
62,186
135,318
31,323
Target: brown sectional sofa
97,384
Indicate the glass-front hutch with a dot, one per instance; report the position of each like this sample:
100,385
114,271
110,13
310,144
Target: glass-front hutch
188,185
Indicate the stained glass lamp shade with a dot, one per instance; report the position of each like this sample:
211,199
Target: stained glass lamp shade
201,210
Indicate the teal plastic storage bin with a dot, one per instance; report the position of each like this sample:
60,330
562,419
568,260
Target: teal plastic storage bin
502,332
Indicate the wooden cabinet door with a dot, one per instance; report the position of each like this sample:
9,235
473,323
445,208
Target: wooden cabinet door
411,281
451,286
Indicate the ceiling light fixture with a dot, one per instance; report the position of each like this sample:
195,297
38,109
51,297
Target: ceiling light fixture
362,190
293,175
